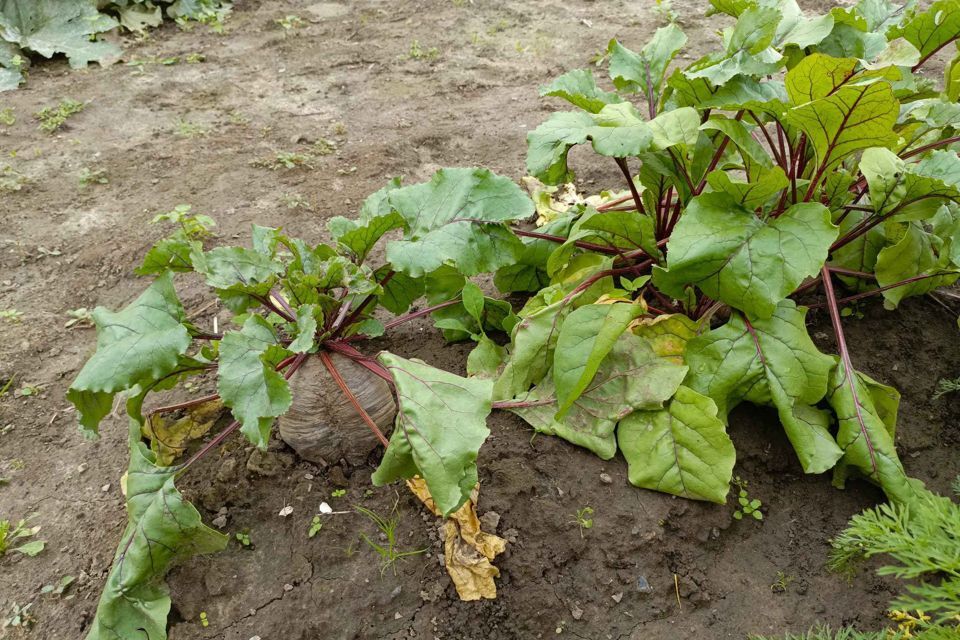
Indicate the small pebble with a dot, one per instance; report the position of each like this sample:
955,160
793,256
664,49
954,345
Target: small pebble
105,487
397,616
617,597
576,612
643,586
288,587
287,510
325,508
605,478
220,522
81,467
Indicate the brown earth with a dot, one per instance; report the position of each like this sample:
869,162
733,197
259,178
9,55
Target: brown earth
347,75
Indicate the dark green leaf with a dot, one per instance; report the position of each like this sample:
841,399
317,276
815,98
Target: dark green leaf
579,88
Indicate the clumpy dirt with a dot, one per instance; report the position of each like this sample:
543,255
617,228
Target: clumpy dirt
198,134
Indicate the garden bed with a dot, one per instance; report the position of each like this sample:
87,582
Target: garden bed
351,80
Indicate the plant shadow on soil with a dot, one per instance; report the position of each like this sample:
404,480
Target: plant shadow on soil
347,75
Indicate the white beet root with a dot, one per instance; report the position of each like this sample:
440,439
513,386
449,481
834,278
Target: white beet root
322,425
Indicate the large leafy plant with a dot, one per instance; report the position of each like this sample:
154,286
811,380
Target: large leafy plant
808,154
292,301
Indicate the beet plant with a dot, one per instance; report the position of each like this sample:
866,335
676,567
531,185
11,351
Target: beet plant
806,157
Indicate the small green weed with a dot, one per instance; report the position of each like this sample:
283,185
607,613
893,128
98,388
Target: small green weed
584,519
315,525
747,507
194,58
286,160
195,226
19,617
11,315
186,129
781,583
204,621
946,386
417,52
9,534
389,553
52,118
58,589
338,493
243,537
289,23
7,117
28,390
90,177
12,180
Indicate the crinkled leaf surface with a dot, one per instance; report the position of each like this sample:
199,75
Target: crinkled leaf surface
162,528
456,219
139,344
933,28
852,118
770,362
376,218
682,449
631,377
866,412
532,346
644,72
247,380
579,88
895,184
915,252
586,337
735,257
58,26
440,427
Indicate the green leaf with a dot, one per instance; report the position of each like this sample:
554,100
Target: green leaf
851,119
754,30
399,292
866,413
586,337
31,549
682,449
170,254
755,193
895,184
916,253
769,362
736,258
247,380
548,145
738,133
805,32
533,341
579,88
136,346
306,329
818,76
631,377
485,359
226,267
456,219
932,29
376,218
162,528
440,427
644,72
49,27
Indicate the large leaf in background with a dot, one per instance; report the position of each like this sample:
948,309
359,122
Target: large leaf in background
770,362
736,258
11,63
49,27
440,427
914,253
618,130
682,449
140,344
644,72
631,377
456,219
741,137
247,379
226,267
852,118
895,185
579,88
932,29
162,528
860,254
867,415
586,337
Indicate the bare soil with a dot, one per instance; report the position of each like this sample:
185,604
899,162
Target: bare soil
348,75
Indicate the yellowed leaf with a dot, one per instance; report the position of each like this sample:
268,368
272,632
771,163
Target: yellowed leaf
667,335
467,549
169,438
